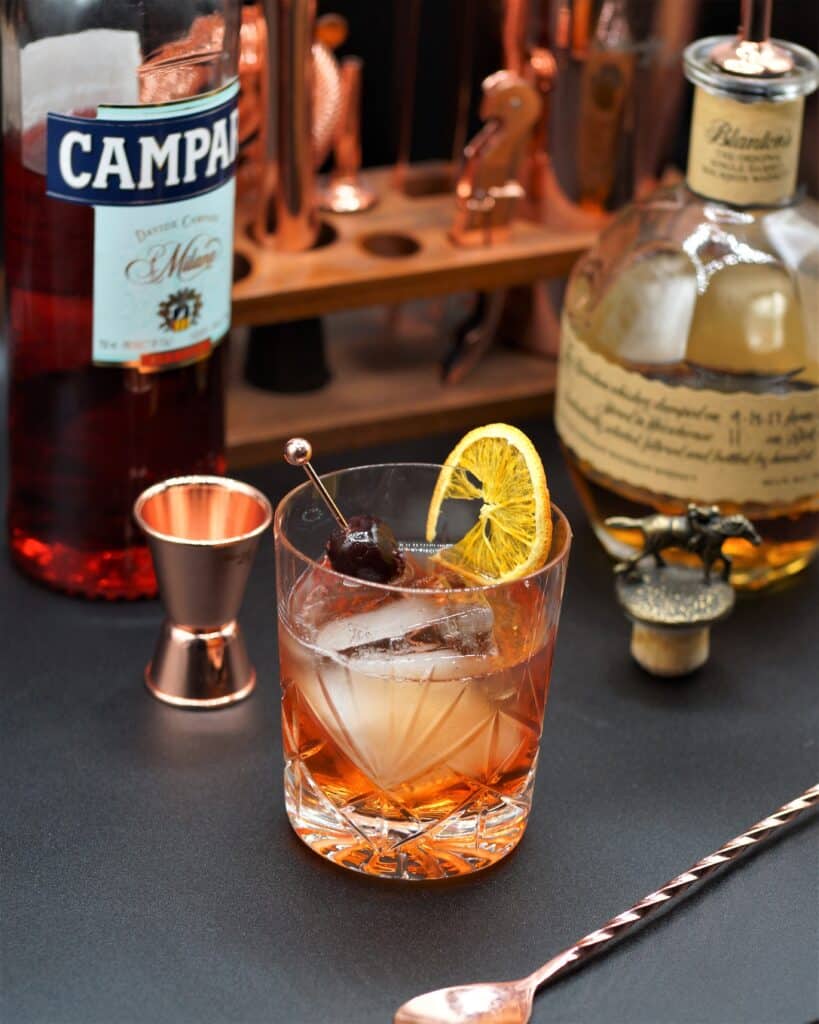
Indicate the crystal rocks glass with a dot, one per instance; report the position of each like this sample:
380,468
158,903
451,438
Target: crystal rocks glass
411,716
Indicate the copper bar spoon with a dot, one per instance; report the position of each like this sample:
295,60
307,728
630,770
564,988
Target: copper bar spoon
510,1002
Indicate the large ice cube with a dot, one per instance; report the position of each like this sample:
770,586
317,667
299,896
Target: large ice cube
412,688
446,636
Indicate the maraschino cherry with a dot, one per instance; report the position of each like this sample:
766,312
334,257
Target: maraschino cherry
363,547
366,549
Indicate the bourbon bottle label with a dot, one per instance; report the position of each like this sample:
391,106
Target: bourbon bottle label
744,154
161,181
687,443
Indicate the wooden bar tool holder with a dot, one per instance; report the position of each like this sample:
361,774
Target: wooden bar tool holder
397,251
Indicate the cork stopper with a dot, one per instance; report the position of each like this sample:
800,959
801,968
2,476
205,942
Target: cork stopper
672,610
670,653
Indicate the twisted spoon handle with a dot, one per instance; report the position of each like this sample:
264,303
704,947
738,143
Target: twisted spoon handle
617,926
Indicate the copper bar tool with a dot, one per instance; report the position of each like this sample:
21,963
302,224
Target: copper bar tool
258,170
331,32
537,174
253,106
546,202
475,337
488,190
203,532
510,1002
514,35
606,90
408,20
292,58
537,65
464,47
752,52
582,11
346,193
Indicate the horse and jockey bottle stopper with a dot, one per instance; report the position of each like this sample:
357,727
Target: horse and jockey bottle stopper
672,608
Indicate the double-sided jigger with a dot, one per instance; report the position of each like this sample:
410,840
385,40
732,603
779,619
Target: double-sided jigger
203,532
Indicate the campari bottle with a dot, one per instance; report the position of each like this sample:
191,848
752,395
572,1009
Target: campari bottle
689,366
119,148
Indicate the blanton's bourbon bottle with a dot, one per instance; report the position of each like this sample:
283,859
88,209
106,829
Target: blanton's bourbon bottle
119,149
689,367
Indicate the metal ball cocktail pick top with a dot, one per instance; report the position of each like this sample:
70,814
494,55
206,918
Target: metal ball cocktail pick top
203,532
298,451
363,546
510,1002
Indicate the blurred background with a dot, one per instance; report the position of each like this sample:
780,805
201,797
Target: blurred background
654,32
424,61
619,111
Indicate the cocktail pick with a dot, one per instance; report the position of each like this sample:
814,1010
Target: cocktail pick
510,1002
363,547
298,451
203,532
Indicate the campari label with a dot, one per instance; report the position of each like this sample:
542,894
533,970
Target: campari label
161,181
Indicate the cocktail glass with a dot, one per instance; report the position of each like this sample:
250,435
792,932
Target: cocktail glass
411,714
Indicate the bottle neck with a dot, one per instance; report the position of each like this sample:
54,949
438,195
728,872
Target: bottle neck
744,153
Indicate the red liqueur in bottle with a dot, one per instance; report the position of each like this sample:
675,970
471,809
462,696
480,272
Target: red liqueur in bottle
119,153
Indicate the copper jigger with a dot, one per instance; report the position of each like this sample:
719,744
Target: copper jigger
203,532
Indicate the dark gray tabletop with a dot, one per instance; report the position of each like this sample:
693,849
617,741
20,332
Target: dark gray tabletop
149,872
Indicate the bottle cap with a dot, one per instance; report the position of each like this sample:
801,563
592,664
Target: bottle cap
751,65
701,69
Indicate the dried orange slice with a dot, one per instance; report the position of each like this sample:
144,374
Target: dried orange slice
499,466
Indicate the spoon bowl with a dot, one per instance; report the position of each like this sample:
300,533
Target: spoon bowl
501,1002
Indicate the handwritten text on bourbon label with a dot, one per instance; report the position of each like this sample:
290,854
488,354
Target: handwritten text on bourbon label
684,442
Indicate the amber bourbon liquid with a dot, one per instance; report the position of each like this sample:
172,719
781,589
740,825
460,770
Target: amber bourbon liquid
689,367
411,723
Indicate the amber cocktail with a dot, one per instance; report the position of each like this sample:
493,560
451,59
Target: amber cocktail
411,714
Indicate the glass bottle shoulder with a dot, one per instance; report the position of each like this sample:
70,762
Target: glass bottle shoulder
702,293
